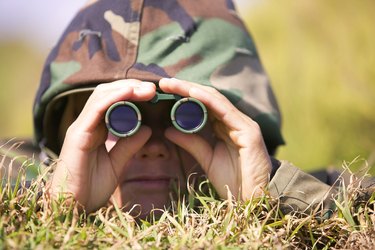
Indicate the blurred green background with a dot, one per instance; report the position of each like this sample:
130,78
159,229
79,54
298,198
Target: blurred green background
320,56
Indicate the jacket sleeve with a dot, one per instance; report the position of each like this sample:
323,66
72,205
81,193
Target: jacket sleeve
299,191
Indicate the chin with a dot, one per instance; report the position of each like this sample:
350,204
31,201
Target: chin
142,205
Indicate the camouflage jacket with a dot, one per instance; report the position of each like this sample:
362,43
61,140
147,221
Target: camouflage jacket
197,41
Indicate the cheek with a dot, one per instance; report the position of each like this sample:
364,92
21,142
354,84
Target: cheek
111,141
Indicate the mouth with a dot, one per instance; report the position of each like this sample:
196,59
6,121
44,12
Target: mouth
150,182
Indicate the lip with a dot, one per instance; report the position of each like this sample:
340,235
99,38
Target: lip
150,182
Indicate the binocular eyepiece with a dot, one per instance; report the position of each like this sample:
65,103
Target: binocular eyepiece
188,115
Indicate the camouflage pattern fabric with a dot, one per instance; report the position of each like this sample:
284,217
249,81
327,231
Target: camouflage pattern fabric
199,41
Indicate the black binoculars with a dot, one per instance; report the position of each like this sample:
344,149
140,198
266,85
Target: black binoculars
188,115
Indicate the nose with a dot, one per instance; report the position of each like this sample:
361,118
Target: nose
156,148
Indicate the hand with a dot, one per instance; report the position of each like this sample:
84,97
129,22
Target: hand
85,168
239,159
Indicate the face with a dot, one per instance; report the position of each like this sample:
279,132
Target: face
159,171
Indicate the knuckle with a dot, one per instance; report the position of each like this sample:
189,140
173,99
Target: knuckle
257,132
100,88
255,125
98,91
72,129
211,89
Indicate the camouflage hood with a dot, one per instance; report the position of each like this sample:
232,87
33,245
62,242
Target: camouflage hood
199,41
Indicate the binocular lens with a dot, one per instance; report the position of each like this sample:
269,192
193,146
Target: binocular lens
189,115
123,119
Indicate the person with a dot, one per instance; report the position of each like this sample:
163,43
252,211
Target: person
128,50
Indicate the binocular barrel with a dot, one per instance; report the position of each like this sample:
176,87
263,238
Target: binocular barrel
124,118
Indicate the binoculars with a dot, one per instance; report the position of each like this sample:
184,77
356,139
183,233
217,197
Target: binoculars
188,115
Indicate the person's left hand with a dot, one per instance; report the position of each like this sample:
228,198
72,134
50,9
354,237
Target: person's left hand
239,159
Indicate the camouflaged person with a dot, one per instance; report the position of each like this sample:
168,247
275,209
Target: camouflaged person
116,50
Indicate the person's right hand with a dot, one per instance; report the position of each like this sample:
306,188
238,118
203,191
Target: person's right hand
85,169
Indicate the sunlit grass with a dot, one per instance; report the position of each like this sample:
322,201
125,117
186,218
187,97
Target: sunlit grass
28,219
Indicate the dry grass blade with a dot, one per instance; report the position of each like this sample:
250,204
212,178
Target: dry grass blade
28,219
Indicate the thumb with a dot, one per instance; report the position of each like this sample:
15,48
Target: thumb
126,147
194,144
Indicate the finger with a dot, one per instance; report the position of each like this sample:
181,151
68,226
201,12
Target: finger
105,95
194,144
181,87
125,148
116,88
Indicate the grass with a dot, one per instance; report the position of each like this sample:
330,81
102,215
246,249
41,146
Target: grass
322,52
29,220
